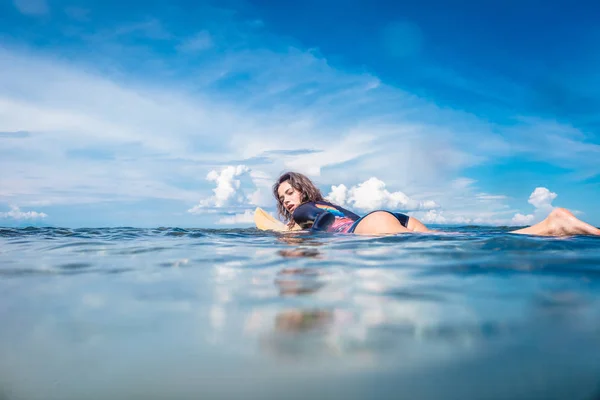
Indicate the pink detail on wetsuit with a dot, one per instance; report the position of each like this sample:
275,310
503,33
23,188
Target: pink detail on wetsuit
324,216
341,225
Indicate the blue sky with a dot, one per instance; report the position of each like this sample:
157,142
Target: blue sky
184,113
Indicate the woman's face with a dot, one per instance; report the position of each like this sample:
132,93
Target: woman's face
289,197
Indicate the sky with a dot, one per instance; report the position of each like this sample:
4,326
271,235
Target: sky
184,113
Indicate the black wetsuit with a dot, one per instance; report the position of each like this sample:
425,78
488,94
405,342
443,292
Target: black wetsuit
325,216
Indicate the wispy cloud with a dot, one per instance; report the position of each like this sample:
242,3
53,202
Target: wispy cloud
496,211
475,217
32,7
199,42
258,102
150,28
247,217
563,145
462,202
129,121
296,152
490,197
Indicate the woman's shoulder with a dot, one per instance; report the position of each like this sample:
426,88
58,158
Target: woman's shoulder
318,204
321,205
324,203
306,206
336,208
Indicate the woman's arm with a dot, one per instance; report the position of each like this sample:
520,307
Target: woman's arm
308,215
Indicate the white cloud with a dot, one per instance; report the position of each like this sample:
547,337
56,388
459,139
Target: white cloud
227,186
372,195
237,187
228,191
541,198
76,109
439,217
162,136
520,219
17,214
338,195
32,7
246,218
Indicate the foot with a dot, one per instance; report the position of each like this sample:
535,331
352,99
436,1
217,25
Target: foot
562,222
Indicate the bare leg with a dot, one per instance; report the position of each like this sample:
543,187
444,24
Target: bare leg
380,222
417,226
560,222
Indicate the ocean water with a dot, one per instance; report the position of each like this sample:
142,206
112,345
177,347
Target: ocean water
166,313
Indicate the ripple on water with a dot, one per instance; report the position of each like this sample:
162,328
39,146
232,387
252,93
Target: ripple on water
479,304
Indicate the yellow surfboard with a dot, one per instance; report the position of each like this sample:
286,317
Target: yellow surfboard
266,222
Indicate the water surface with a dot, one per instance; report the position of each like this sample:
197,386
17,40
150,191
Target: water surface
129,313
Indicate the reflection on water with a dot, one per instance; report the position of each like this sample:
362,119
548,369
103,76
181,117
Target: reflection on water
298,281
175,313
300,253
299,321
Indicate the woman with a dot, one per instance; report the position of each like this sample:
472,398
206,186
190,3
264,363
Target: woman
300,202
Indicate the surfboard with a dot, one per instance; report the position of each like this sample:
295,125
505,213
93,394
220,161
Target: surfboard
266,222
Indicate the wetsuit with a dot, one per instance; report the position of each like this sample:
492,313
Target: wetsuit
324,216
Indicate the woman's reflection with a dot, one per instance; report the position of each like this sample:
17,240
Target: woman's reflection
300,321
299,281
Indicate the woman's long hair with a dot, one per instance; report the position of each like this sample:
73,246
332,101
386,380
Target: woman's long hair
302,184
